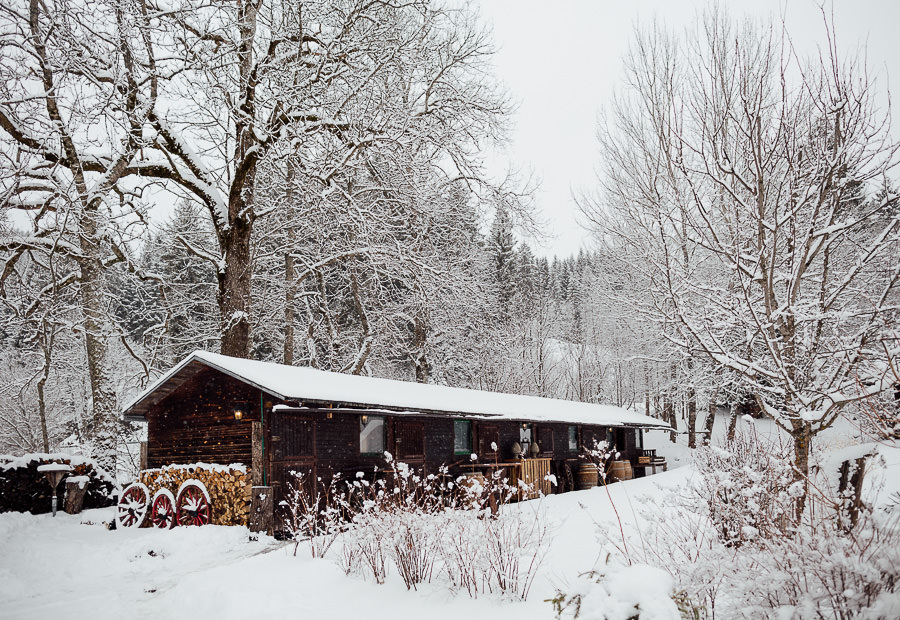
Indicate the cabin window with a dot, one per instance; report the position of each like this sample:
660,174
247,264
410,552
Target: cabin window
462,437
573,439
371,434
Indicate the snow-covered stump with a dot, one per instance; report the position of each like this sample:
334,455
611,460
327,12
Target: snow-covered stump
262,510
228,487
76,489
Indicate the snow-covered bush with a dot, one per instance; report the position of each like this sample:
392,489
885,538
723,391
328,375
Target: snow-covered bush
681,538
636,592
314,513
748,487
424,526
516,542
728,541
823,571
600,454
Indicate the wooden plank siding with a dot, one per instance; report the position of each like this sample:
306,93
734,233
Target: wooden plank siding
195,421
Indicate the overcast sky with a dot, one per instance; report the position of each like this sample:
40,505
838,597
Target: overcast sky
560,61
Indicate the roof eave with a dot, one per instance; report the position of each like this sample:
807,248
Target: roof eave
165,378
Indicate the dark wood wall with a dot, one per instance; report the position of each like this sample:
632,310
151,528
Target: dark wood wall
196,423
337,442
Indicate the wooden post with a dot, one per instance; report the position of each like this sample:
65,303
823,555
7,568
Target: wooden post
145,457
262,510
76,489
256,450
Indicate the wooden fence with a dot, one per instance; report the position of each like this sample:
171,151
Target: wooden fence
534,473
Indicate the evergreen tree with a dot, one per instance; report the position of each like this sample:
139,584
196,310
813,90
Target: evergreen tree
187,315
502,246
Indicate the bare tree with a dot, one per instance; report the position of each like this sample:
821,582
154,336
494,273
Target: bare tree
728,146
334,80
79,85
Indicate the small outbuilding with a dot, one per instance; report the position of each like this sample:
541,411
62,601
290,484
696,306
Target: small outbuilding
280,419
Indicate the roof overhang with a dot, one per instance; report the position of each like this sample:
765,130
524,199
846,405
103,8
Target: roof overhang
199,362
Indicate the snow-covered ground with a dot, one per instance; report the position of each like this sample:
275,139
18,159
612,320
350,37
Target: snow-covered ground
72,566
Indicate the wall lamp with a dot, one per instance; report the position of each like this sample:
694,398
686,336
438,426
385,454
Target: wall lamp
238,414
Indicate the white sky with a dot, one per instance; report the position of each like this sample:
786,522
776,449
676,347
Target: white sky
560,61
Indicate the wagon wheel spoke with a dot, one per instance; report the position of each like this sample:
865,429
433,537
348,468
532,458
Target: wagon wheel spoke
192,505
163,513
133,505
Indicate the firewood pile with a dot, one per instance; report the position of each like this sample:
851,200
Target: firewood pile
24,489
229,488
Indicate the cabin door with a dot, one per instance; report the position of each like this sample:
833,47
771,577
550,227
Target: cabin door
488,442
292,455
409,442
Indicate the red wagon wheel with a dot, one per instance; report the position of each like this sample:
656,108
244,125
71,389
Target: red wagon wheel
133,504
192,506
162,513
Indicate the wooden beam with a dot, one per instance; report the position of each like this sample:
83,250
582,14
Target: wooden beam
257,464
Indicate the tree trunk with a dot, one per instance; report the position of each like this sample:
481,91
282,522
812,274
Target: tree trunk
234,281
423,368
851,473
46,344
103,396
97,337
290,287
732,421
75,492
802,434
262,510
234,289
290,291
692,418
257,455
710,420
670,417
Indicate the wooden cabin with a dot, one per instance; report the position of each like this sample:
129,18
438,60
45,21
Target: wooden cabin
278,419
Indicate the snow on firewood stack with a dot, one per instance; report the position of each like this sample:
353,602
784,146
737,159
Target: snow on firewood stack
228,487
23,488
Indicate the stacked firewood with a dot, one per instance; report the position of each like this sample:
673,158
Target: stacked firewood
24,489
228,486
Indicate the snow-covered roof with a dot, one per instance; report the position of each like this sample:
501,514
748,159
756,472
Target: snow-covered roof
303,384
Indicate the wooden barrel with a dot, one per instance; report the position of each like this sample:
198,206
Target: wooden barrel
587,476
619,470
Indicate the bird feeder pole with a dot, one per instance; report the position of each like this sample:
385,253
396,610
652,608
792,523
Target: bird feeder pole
54,472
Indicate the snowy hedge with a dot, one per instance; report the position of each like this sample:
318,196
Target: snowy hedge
24,489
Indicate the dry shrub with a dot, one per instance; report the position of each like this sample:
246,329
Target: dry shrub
425,526
734,551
